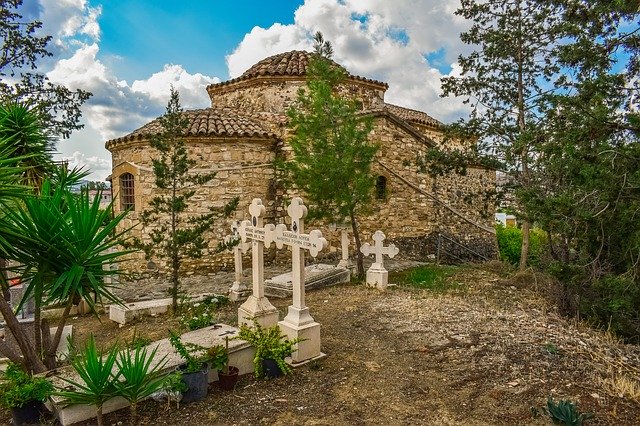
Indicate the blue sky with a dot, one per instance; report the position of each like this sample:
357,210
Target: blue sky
129,52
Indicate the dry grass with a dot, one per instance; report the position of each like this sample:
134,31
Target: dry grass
621,385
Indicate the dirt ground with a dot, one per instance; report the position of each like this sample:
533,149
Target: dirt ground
487,353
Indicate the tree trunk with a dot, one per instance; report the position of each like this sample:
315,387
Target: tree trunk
175,283
37,314
524,253
4,279
53,346
356,237
31,361
99,415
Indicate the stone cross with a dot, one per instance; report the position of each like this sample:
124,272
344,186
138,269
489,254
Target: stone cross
345,262
257,305
239,289
377,276
298,323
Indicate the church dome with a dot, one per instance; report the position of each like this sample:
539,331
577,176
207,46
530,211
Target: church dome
288,64
294,62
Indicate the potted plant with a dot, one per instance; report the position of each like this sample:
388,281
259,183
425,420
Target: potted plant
219,360
195,370
272,347
24,394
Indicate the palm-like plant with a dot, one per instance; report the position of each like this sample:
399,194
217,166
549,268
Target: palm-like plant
141,376
97,384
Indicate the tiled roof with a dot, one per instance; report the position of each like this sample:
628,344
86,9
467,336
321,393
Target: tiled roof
412,115
223,122
293,63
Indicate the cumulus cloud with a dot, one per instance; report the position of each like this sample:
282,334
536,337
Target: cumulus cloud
66,20
410,44
100,167
116,107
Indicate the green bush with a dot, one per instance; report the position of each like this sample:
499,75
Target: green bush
510,244
201,314
18,388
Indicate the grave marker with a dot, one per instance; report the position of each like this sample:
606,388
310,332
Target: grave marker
299,323
377,276
239,290
257,305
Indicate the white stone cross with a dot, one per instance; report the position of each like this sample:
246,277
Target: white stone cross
238,289
377,276
378,249
257,305
298,322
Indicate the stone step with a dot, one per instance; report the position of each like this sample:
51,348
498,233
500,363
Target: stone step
240,355
316,276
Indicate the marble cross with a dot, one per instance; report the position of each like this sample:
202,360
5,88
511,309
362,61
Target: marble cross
257,305
313,242
299,323
378,249
238,289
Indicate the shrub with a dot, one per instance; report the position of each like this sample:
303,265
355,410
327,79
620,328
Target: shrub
566,413
510,244
201,314
18,388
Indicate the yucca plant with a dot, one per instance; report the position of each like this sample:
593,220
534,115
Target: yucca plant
97,382
141,376
566,413
61,242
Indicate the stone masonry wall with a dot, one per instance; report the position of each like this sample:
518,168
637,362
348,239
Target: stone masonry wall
244,170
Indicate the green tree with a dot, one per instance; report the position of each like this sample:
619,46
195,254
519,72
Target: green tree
21,49
504,80
332,157
175,233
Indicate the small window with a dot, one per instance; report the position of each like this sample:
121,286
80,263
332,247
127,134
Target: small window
127,195
381,187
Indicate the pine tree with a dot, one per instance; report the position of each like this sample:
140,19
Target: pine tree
332,157
504,81
175,233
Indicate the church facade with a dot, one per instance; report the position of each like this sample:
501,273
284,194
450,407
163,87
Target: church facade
244,129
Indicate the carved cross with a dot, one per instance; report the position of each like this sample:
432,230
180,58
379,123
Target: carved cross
260,236
299,242
238,288
378,249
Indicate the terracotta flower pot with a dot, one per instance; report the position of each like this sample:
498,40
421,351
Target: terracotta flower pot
228,381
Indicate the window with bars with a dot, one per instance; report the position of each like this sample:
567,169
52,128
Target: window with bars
127,194
381,187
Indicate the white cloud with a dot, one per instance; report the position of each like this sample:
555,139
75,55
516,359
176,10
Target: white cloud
190,86
378,39
67,19
100,167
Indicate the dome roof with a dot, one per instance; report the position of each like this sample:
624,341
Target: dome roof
223,122
293,63
287,63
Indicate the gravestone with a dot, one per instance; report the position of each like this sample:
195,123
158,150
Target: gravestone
316,276
239,290
377,276
257,306
299,323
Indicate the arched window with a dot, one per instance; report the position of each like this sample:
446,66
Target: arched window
381,187
127,194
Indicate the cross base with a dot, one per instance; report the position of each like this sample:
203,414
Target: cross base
309,347
238,291
298,316
378,278
259,308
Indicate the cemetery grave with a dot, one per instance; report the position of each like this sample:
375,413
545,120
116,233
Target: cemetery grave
412,356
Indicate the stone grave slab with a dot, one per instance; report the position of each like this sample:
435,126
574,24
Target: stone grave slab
130,311
316,276
240,355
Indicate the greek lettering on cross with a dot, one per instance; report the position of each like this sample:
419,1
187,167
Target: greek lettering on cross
257,306
378,249
313,242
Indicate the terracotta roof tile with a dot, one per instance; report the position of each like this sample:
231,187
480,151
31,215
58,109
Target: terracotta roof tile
293,63
412,115
224,122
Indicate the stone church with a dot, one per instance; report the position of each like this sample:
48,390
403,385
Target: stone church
239,135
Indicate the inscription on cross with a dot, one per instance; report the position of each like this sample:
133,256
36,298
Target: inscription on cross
257,305
377,276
